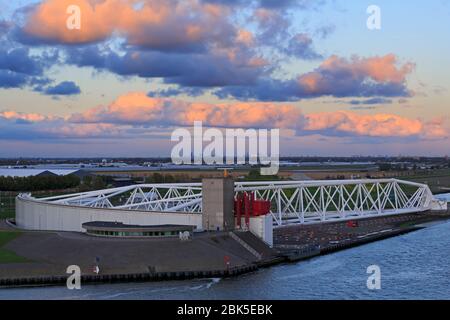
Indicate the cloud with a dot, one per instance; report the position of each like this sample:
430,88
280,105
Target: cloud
190,43
164,25
301,46
270,4
279,3
5,27
203,44
325,31
273,26
135,115
376,125
33,126
45,22
139,109
170,92
342,77
9,79
27,117
337,77
376,100
219,68
19,68
63,88
437,128
381,125
19,60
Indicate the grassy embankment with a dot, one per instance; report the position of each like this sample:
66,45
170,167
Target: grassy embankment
7,256
437,180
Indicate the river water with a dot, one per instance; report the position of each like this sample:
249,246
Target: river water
413,266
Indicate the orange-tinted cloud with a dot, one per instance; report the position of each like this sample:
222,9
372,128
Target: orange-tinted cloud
31,117
137,110
340,74
374,125
157,24
48,20
380,69
338,77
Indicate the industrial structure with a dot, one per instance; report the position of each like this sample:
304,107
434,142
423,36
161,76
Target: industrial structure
223,205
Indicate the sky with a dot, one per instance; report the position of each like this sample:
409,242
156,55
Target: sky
136,70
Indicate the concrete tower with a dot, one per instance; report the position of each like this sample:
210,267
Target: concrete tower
217,205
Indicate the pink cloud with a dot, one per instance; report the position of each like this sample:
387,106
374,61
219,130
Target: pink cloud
380,69
374,125
31,117
157,24
137,108
350,75
85,130
336,76
47,21
135,112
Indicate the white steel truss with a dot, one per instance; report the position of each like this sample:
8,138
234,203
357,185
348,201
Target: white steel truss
321,201
291,201
144,197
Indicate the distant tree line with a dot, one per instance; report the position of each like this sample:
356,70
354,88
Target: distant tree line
255,175
167,178
92,183
38,183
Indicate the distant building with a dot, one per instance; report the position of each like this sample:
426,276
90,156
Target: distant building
26,172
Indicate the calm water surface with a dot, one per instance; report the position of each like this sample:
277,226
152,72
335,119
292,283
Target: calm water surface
413,266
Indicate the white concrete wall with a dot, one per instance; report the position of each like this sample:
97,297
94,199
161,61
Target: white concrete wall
262,227
35,215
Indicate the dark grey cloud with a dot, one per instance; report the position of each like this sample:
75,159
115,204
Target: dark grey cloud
190,91
19,68
376,100
64,88
280,4
9,79
192,70
19,60
292,90
271,4
301,46
5,27
264,90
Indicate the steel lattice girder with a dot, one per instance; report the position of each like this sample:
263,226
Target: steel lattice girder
292,201
319,201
